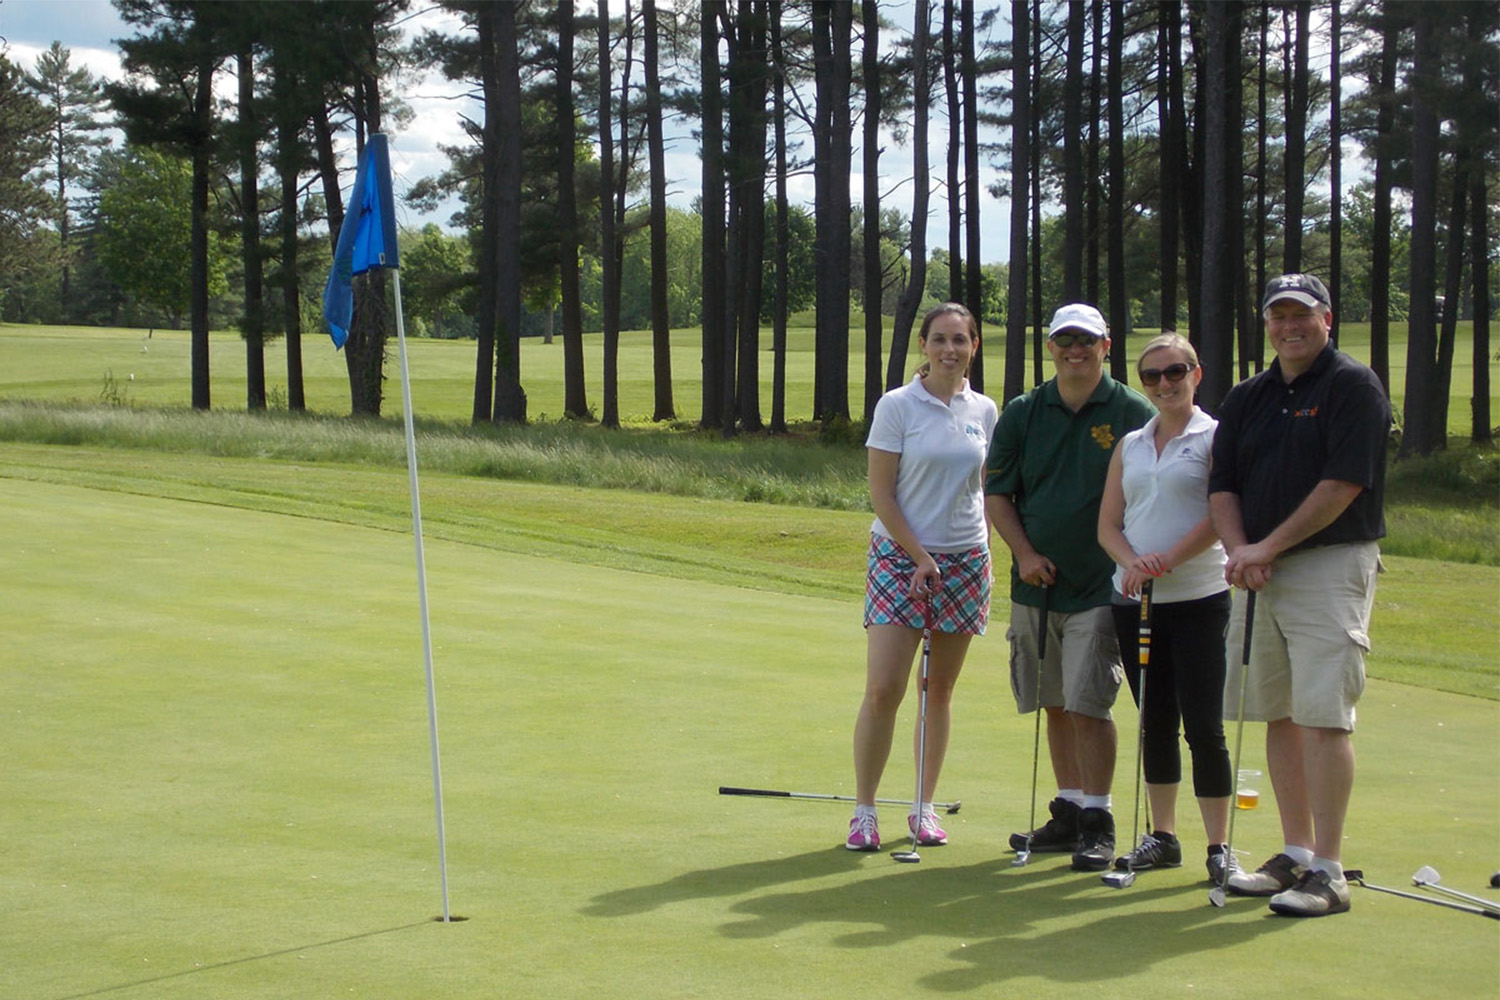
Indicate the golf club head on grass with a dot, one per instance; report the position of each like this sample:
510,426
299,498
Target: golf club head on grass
1427,877
907,857
954,807
1023,856
1217,896
1119,880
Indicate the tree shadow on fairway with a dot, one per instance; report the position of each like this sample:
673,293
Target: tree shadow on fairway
732,880
214,966
1048,922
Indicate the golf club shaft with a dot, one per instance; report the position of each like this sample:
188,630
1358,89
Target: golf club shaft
1144,658
1488,904
1354,875
949,807
1239,729
915,821
1036,736
916,830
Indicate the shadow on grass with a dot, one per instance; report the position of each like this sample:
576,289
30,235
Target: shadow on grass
730,881
1004,923
165,977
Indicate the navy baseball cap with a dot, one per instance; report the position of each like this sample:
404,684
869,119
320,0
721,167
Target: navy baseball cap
1303,288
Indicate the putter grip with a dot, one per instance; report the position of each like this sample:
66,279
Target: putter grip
1249,625
730,790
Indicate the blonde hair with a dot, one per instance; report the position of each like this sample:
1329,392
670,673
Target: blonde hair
1168,339
955,308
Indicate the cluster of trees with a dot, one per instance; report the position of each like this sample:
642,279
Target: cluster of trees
1160,159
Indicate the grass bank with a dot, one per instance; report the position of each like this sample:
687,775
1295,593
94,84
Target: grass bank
1445,507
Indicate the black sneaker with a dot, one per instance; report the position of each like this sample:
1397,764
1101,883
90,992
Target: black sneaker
1096,841
1060,833
1152,852
1221,865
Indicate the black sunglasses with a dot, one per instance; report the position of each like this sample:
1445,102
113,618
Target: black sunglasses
1068,339
1174,373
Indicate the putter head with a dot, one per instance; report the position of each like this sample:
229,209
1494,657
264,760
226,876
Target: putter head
1023,856
953,808
906,857
1216,896
1118,880
1426,875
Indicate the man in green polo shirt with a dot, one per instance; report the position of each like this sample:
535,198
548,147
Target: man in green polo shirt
1044,478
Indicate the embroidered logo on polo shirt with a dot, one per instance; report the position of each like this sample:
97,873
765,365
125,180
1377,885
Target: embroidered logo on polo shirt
974,430
1310,411
1103,435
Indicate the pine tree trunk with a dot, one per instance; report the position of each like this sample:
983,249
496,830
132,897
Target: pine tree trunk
1020,189
874,330
575,385
915,291
661,325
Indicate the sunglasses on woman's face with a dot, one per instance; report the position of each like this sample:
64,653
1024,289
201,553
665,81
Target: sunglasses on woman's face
1174,373
1069,339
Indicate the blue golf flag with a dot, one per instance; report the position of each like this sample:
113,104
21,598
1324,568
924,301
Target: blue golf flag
367,238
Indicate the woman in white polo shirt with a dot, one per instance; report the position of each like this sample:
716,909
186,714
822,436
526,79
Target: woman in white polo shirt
929,556
1153,521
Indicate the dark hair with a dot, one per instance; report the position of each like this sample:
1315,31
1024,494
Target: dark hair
956,309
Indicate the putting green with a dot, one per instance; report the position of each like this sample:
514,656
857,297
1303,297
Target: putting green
217,784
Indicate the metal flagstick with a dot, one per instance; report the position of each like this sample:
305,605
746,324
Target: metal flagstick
416,518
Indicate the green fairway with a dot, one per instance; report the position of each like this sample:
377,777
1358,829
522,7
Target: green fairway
217,780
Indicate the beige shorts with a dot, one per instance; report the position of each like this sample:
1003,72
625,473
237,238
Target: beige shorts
1082,672
1311,634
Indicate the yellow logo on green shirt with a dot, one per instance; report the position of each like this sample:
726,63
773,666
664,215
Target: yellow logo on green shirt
1104,435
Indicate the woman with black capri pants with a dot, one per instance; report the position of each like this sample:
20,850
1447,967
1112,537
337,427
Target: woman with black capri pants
1153,521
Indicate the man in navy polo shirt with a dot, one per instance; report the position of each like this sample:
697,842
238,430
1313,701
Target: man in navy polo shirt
1296,493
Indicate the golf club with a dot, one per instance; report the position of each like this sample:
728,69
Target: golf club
1126,878
1024,855
948,807
1427,877
911,857
1355,875
1218,895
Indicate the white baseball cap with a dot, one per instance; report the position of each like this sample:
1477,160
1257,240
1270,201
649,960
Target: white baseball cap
1078,316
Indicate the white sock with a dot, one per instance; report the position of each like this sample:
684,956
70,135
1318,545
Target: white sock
860,810
1097,802
1302,855
1334,869
1073,795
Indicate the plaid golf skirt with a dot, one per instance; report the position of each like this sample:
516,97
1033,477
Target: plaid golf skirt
961,606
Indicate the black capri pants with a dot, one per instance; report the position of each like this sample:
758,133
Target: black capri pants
1185,687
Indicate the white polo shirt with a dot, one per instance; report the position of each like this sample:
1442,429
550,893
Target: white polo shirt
940,477
1164,498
